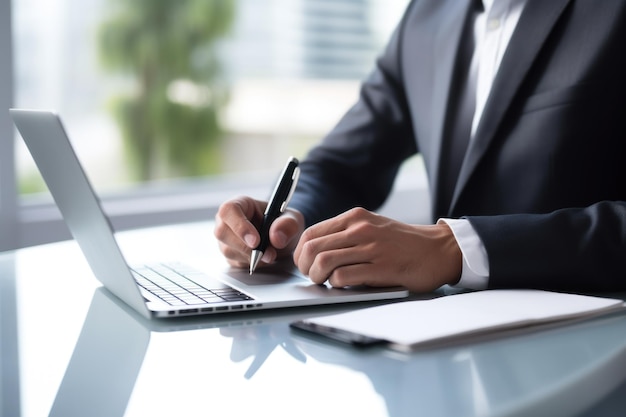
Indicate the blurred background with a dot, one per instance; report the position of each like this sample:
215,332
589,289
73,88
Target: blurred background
160,89
175,106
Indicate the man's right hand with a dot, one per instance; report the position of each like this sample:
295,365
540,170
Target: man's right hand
236,228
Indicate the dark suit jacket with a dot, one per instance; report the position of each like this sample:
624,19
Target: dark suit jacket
544,180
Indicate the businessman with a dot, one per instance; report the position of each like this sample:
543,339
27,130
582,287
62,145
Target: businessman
518,108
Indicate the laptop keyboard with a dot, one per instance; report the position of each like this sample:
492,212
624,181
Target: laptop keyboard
174,284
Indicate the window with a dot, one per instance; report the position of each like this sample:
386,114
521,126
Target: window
174,106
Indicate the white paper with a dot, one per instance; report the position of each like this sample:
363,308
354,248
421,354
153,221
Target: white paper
411,323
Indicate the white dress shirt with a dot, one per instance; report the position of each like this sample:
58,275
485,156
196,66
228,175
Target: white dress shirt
492,31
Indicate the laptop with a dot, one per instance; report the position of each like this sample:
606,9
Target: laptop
162,289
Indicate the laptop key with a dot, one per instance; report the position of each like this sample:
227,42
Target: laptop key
177,288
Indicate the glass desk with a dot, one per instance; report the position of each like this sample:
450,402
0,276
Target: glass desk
70,348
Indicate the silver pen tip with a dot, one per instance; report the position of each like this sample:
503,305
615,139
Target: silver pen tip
255,257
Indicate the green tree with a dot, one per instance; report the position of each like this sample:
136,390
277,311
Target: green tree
169,120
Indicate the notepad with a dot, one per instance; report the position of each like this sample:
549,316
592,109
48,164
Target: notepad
408,325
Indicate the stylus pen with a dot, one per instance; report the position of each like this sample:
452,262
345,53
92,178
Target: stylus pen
275,207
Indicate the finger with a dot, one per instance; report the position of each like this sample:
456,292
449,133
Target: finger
333,225
236,256
235,219
328,262
269,256
284,233
318,257
234,230
286,229
312,242
357,274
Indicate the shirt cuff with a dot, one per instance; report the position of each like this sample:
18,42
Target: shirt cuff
475,274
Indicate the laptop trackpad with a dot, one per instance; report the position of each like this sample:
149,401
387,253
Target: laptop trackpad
267,276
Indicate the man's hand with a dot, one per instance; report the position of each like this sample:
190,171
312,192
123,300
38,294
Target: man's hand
236,225
360,247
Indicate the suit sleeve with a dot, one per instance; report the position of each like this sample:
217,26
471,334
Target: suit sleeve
356,163
574,249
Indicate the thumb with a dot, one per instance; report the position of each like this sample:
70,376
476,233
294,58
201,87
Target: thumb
286,229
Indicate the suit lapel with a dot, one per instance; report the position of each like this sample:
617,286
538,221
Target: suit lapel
536,23
450,30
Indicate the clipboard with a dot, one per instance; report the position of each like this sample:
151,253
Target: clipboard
410,325
337,334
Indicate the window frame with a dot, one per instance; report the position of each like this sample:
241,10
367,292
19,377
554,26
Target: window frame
8,188
39,220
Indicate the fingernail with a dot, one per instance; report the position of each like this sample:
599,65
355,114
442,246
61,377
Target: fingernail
267,258
250,240
281,240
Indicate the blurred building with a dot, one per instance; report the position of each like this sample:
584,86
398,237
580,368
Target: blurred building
327,39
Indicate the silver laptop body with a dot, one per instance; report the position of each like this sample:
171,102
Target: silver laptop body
275,287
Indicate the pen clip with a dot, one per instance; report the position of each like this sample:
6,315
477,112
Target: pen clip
294,181
284,189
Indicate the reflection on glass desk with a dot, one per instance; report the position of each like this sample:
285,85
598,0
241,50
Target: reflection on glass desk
73,349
